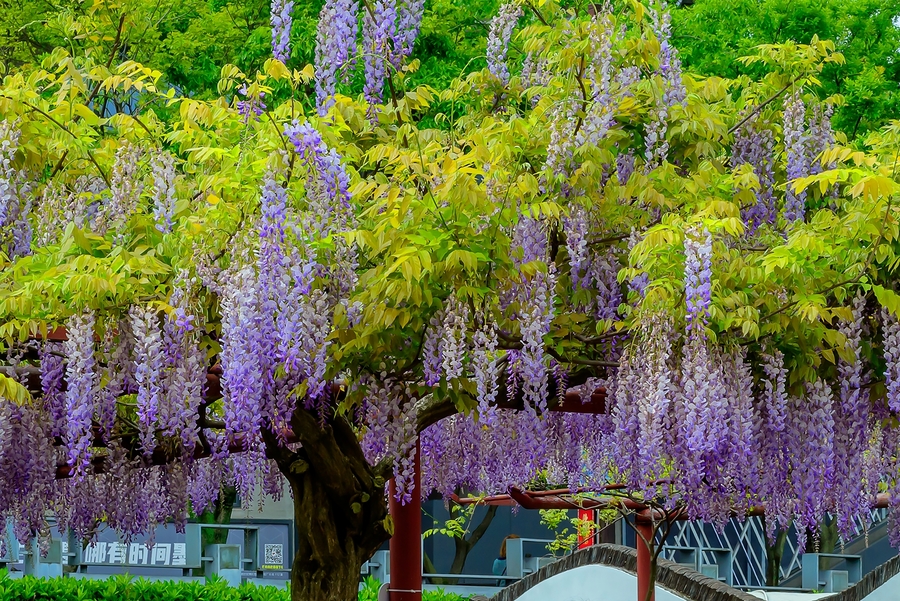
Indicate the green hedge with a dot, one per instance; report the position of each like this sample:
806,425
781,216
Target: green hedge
370,588
121,588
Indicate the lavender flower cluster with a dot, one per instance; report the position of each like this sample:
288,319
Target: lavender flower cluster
796,146
328,184
697,279
756,146
499,34
600,113
15,196
81,383
9,176
389,32
149,360
335,43
125,190
892,359
673,91
390,430
255,106
281,18
162,166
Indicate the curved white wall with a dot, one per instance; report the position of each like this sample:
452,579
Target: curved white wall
591,583
889,591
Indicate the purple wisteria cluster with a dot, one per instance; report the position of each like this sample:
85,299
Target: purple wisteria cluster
485,369
28,459
534,295
378,32
278,309
162,167
755,146
575,226
813,441
242,378
672,89
509,451
639,283
750,443
124,190
669,63
51,214
821,135
499,34
15,196
9,175
600,114
534,73
149,364
851,426
128,496
446,342
254,106
697,279
640,398
185,376
335,45
390,433
52,377
328,184
585,123
560,152
282,19
892,359
796,148
389,32
81,383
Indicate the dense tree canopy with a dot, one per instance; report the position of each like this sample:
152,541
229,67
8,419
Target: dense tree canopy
712,35
190,40
286,279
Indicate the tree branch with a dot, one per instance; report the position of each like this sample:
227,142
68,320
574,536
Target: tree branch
761,106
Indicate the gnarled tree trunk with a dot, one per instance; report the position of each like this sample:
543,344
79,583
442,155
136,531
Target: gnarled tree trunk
339,507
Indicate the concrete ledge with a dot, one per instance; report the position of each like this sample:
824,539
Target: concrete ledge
678,579
870,582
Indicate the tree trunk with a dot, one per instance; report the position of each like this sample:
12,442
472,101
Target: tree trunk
828,535
428,568
339,507
463,545
774,553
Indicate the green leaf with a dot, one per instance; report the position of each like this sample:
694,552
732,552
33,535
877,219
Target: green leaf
13,391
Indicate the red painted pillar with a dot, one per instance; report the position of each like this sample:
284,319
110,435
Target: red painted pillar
586,515
644,563
406,544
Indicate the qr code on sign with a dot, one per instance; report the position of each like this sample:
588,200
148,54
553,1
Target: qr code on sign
274,555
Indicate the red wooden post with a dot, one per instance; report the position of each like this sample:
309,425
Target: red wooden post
586,515
406,544
644,563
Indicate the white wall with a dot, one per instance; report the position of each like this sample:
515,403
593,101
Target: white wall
283,509
779,596
592,583
604,583
889,591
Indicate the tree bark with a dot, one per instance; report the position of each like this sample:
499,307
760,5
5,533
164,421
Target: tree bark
464,545
339,507
774,552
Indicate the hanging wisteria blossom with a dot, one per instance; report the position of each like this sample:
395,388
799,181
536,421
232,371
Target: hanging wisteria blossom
607,275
